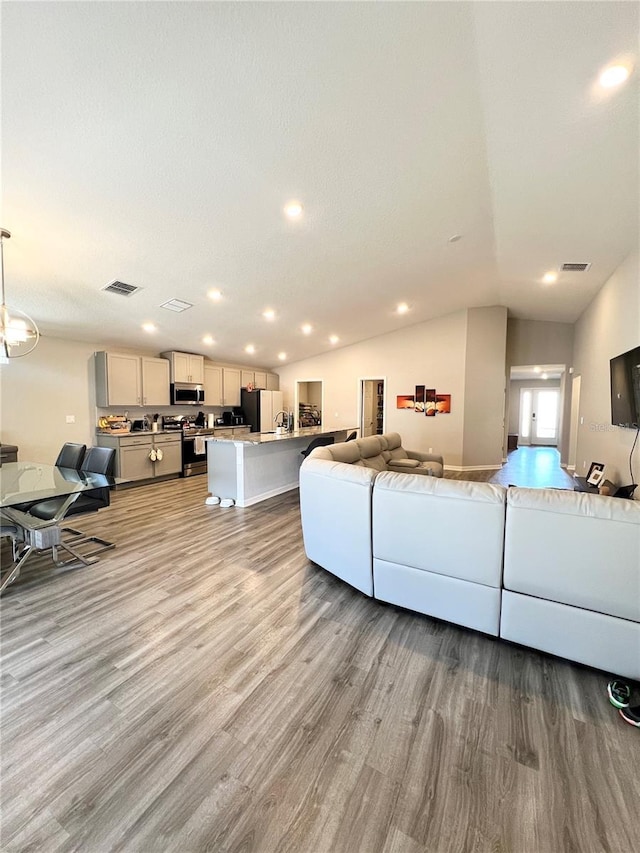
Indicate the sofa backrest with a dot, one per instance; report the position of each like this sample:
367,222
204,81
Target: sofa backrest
335,505
574,548
449,527
364,452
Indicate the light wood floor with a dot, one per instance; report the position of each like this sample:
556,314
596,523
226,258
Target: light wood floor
205,688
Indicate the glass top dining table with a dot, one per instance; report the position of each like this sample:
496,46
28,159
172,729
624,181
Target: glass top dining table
21,482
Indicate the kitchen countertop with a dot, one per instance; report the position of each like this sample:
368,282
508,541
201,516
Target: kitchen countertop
166,431
268,437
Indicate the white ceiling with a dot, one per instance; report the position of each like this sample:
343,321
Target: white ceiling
157,143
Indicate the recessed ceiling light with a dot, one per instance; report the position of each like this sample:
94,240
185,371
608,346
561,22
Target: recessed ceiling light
208,340
455,238
293,209
307,329
537,369
333,339
402,308
282,356
550,277
250,349
216,295
149,327
615,75
269,314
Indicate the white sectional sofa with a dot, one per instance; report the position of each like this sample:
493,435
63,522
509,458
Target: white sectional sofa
571,579
437,548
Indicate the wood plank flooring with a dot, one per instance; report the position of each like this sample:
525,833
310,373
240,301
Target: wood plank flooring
205,688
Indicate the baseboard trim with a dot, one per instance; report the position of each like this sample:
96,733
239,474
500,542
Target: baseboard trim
272,493
463,468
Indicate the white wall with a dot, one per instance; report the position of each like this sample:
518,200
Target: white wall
485,379
431,354
40,390
609,326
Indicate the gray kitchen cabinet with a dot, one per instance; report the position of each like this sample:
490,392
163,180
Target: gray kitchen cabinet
131,380
133,454
260,380
171,462
185,366
212,384
155,381
230,386
118,379
273,382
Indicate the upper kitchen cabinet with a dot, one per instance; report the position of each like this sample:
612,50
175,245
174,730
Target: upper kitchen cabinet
131,380
247,377
212,384
185,367
155,381
273,382
260,380
230,386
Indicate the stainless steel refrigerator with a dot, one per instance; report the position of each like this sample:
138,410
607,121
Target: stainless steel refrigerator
260,409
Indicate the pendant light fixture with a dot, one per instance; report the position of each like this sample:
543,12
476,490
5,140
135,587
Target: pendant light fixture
19,334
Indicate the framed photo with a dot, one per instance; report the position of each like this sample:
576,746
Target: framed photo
595,474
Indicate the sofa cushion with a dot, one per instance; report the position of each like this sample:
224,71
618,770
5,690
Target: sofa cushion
403,464
574,548
449,527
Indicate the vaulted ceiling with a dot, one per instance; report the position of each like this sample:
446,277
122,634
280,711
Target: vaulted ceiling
157,144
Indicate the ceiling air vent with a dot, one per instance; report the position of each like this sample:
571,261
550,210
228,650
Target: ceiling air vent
177,305
575,267
121,288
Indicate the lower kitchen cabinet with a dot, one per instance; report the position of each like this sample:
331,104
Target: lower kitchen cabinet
134,455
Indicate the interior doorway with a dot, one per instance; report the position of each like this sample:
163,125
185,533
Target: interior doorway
372,409
309,402
539,416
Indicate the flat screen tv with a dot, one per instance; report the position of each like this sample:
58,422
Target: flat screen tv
625,389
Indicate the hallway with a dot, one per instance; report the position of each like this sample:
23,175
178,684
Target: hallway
532,467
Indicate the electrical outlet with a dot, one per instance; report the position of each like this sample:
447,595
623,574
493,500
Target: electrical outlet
71,419
431,450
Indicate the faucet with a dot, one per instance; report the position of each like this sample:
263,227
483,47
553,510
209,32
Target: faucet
285,420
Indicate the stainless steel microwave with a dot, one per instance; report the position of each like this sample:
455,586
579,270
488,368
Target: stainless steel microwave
187,394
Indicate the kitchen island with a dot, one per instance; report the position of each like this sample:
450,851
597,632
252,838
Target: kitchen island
251,468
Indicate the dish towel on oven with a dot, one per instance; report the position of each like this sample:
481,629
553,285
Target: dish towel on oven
200,447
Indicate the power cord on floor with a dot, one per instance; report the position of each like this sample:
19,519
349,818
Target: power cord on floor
633,447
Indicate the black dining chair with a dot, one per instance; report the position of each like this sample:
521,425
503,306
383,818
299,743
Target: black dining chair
320,441
97,460
71,455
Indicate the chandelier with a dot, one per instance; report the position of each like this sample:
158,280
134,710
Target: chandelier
19,334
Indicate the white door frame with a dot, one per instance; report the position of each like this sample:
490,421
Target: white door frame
296,401
528,440
576,385
361,381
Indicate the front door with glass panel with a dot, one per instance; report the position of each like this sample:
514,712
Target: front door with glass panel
539,409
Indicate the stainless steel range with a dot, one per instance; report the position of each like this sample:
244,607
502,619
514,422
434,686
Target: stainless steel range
194,446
